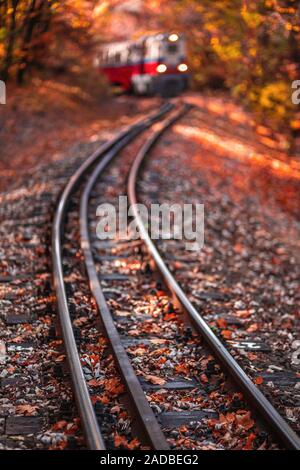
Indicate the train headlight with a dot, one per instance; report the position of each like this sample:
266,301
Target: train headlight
161,68
182,67
173,37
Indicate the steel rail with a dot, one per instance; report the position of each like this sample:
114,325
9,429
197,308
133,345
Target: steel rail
279,426
143,412
89,422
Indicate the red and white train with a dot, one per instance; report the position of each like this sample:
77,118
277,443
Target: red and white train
153,64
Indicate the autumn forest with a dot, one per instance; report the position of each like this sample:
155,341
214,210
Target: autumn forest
149,231
249,49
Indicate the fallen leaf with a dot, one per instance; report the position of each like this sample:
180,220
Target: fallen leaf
134,332
134,444
120,440
26,410
161,293
115,409
204,378
114,386
242,313
80,321
123,313
244,420
158,341
138,351
59,425
238,248
226,334
249,443
182,369
222,323
252,328
252,356
155,380
258,380
95,383
170,316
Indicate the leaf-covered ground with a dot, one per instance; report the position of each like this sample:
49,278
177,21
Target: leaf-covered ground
245,280
43,119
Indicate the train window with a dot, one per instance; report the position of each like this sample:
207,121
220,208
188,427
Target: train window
134,53
172,48
124,56
117,58
103,57
111,57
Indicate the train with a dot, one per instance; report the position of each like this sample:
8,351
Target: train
152,65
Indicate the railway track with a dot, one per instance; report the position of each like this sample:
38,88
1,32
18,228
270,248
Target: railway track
156,429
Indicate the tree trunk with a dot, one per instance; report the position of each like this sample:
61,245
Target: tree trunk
10,42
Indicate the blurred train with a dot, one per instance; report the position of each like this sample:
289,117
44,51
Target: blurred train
152,65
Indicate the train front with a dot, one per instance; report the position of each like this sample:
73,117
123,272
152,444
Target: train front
165,69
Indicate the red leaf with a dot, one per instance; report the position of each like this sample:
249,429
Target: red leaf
258,380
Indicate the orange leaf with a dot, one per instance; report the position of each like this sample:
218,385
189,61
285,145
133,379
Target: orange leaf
258,380
222,323
94,383
120,440
96,398
134,332
226,334
252,356
170,316
114,386
181,369
158,341
59,425
248,445
26,410
244,420
242,313
134,444
160,293
252,328
238,248
155,380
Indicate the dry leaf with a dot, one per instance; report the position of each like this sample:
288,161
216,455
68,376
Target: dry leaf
226,334
258,380
26,410
95,383
155,380
244,420
158,341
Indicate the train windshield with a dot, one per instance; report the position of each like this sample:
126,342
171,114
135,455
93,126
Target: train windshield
172,48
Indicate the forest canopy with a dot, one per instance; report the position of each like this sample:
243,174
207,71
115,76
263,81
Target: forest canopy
250,49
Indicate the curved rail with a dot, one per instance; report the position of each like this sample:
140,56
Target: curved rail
146,418
88,418
280,427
